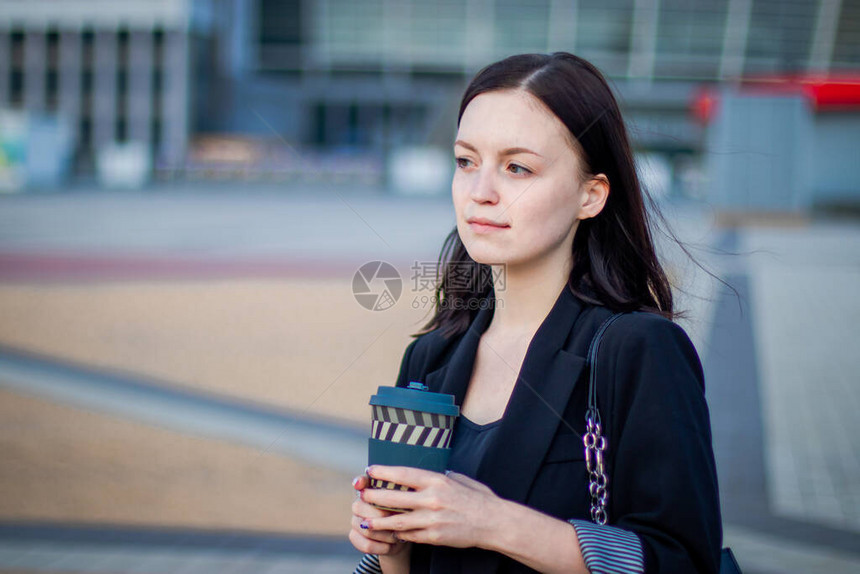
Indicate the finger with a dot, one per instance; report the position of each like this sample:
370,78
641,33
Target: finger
367,545
399,523
403,536
365,510
417,478
392,498
360,482
386,536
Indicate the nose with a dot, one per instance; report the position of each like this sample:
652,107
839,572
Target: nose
483,188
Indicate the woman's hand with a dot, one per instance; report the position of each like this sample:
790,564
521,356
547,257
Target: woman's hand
371,541
445,509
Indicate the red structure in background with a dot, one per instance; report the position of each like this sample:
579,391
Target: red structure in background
835,92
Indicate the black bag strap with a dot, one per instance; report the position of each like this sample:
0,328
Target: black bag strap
591,361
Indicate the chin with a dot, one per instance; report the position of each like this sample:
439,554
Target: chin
498,255
485,249
487,256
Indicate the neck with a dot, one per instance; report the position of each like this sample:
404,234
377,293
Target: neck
526,293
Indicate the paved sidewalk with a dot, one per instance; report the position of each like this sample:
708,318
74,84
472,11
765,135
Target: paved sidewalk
806,315
328,444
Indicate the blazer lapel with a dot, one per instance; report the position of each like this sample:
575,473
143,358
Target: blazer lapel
531,419
534,412
541,393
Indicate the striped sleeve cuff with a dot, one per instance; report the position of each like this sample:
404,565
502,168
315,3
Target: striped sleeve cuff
609,549
369,564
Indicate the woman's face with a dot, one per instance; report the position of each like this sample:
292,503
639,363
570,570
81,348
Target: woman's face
516,168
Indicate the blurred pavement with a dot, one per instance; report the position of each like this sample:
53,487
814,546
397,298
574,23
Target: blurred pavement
780,361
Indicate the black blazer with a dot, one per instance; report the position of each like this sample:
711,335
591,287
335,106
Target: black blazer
662,482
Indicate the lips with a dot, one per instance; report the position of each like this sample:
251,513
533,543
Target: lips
485,221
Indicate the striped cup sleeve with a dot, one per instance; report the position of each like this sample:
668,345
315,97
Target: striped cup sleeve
411,427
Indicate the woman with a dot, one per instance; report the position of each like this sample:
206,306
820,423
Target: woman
547,198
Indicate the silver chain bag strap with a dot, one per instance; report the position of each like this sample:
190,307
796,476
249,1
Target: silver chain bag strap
593,439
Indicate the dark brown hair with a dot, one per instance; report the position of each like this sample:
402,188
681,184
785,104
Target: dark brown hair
614,260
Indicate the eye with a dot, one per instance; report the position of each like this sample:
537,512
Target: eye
463,162
517,169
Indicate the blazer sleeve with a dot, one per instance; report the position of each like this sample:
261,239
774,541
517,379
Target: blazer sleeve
663,486
369,563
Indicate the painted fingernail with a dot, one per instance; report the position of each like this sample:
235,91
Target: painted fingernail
355,481
367,470
365,524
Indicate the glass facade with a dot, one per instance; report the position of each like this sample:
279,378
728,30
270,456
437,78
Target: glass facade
846,49
690,38
603,32
520,26
780,35
676,39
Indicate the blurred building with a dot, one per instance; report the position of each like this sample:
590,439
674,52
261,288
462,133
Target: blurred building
388,73
375,76
114,71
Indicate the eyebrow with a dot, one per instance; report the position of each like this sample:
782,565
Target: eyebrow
504,152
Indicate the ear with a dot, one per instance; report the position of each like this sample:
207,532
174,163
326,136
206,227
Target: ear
595,193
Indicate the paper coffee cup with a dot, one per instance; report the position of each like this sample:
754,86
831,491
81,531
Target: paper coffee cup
410,427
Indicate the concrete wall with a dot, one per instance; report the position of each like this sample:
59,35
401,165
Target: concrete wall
835,166
758,153
767,152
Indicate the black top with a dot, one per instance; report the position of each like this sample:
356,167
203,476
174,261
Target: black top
469,444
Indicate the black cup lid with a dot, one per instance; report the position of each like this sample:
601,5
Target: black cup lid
416,397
